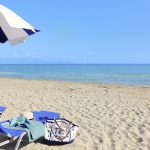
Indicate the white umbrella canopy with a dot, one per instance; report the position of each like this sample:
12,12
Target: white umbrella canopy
13,28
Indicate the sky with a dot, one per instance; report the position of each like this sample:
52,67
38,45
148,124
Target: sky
82,32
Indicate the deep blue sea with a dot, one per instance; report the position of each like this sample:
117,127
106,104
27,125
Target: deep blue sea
118,74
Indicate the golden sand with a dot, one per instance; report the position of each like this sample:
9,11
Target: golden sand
111,117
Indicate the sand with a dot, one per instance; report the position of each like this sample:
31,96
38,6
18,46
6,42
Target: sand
111,117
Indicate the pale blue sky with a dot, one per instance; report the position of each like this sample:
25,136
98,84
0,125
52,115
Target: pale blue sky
82,31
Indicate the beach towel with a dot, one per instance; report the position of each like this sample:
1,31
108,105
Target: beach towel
34,129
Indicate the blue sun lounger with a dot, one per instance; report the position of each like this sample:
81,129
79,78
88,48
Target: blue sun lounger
42,116
12,135
18,135
2,109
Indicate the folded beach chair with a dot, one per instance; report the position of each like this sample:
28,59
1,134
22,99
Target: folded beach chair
2,109
18,135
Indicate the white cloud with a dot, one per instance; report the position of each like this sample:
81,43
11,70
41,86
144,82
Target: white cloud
29,55
16,55
90,54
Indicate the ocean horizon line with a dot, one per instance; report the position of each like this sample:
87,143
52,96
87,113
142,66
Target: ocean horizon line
83,64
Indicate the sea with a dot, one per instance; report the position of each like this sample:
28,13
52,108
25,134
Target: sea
109,74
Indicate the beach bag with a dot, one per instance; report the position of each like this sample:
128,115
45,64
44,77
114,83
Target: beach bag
60,131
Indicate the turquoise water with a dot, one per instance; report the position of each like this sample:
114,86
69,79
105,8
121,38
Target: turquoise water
120,74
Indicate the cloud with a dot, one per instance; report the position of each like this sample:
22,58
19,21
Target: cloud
90,54
29,55
16,55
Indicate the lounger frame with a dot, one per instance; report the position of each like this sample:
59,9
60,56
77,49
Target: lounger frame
14,138
1,113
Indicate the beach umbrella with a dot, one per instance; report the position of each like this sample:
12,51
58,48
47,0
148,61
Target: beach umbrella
13,28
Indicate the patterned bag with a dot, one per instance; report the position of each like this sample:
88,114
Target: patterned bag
60,130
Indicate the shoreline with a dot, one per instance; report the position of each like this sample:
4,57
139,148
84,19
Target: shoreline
76,82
